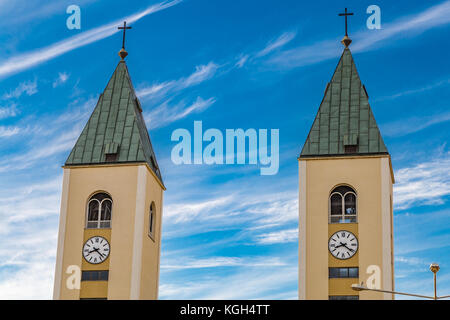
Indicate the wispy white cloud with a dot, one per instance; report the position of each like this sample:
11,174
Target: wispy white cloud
423,184
201,74
28,230
413,261
78,111
219,262
9,111
282,236
26,60
61,79
413,124
417,234
32,206
190,211
304,55
158,90
20,12
259,284
254,212
27,256
270,47
416,90
8,131
243,58
32,278
155,90
274,209
65,141
166,114
27,87
282,40
47,140
208,71
410,25
435,16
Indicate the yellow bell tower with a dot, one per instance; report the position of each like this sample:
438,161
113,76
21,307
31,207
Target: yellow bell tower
345,196
111,208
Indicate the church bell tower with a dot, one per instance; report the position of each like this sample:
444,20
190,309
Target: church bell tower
109,237
345,195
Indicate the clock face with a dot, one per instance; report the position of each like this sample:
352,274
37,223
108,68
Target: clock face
343,245
96,250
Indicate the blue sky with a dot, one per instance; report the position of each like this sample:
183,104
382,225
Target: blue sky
228,232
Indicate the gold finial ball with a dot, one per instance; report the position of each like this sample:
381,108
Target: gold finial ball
434,267
346,41
123,53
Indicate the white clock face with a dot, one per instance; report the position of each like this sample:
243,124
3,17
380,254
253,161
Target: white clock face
343,245
96,250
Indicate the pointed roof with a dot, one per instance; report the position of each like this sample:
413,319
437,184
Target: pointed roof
344,124
116,127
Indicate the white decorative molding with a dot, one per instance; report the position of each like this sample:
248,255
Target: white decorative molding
302,232
61,235
139,218
386,226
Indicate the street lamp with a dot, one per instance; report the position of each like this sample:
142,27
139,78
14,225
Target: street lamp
434,267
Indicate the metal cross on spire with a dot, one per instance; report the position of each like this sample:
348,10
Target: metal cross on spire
124,28
122,52
346,41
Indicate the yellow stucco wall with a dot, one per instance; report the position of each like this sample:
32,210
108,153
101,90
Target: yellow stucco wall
151,245
369,177
93,289
121,182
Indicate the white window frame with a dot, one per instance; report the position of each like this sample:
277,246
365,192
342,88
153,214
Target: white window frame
344,217
99,219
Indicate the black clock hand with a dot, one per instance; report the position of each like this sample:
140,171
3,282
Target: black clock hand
96,250
348,248
344,245
340,245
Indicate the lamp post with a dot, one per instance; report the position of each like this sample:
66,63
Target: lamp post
434,267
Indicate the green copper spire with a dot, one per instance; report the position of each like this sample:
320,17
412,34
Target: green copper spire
344,124
116,131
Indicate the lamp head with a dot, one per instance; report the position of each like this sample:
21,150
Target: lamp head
358,287
434,267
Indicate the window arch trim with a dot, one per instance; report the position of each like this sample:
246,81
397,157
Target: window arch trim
99,223
344,217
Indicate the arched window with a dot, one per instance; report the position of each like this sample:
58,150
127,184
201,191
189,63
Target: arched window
99,211
151,228
343,205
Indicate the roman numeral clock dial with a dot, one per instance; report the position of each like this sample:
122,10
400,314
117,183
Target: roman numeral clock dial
96,250
343,245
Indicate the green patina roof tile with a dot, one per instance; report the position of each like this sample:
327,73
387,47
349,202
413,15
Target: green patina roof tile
115,125
345,111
